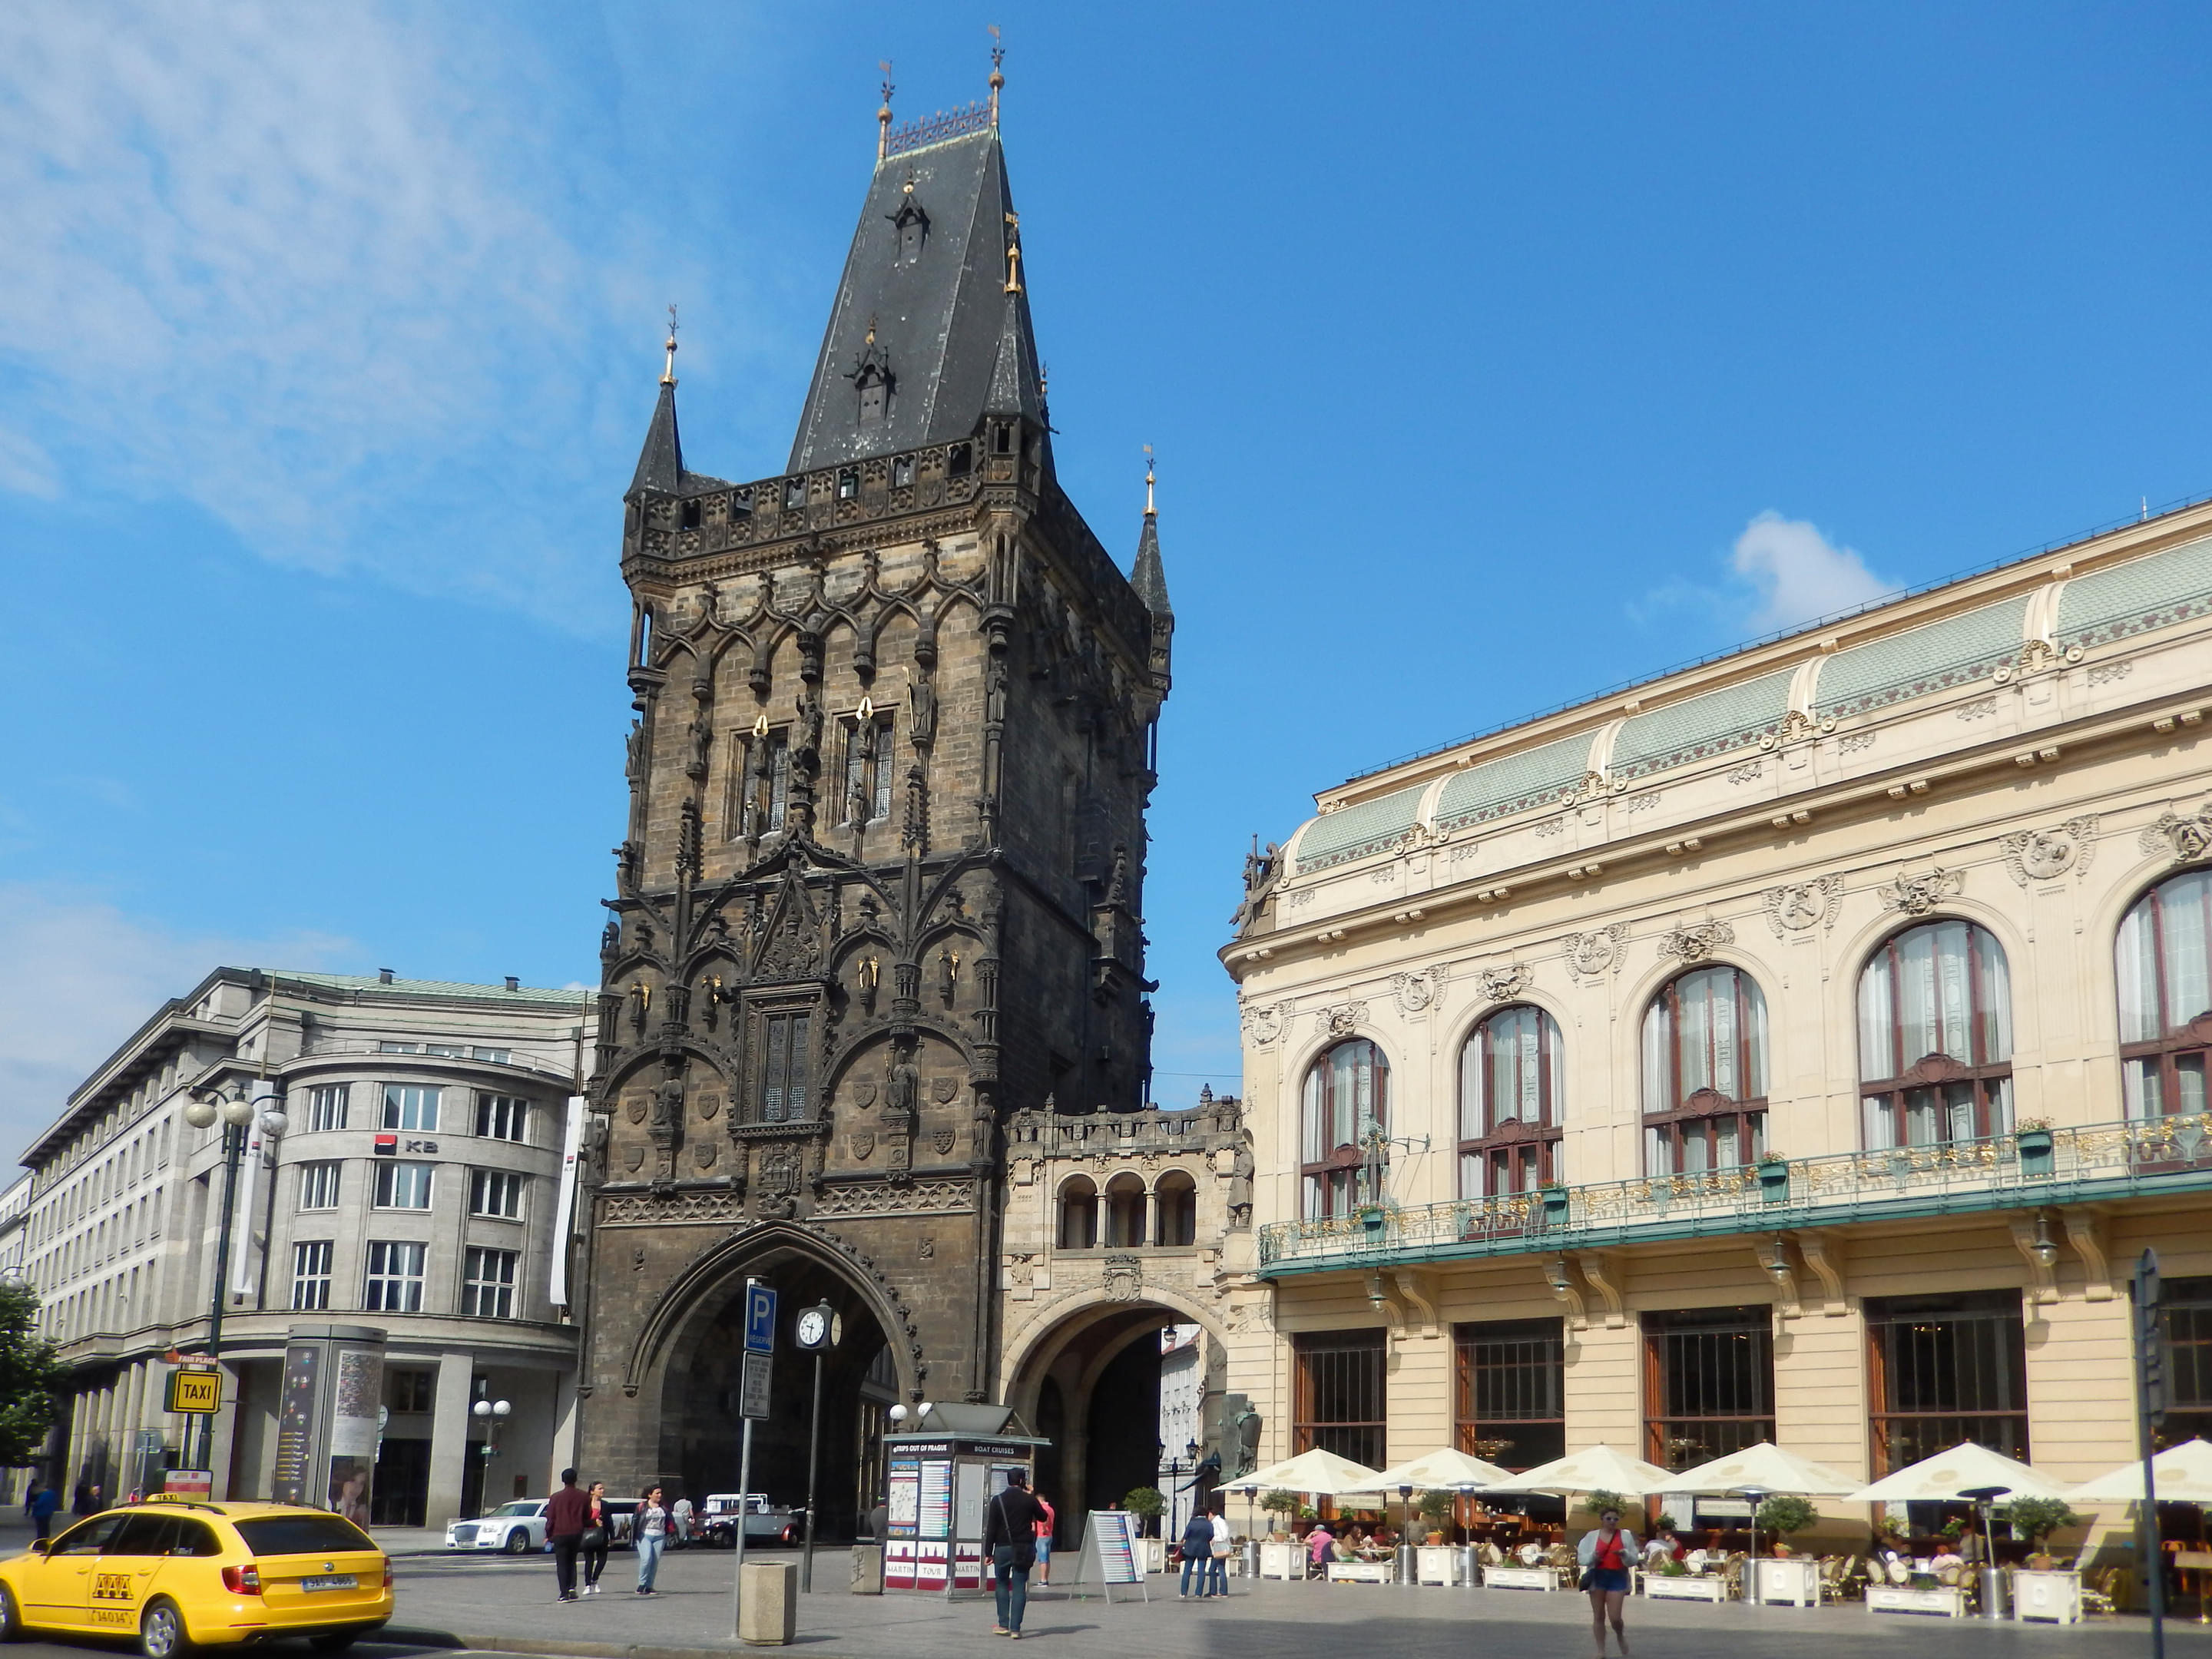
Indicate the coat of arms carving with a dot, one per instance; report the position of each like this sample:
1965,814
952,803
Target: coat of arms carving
635,1105
942,1139
942,1088
863,1144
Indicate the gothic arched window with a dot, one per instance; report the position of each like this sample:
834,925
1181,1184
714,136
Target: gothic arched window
1704,1074
1936,1037
1078,1214
1346,1104
1510,1097
2165,964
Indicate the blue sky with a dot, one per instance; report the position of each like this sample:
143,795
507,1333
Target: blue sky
1493,356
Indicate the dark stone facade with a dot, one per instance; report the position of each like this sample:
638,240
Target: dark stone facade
882,877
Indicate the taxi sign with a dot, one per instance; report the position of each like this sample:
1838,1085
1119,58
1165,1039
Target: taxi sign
195,1391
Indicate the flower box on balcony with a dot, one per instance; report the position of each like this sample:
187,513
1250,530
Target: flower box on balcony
1555,1205
2034,1152
1371,1216
1774,1180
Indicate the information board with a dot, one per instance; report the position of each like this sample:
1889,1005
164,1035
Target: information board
754,1395
904,1500
1109,1555
937,1497
296,1425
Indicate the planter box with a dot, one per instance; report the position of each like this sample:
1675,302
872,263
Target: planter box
1360,1572
1944,1601
1533,1578
1436,1563
2053,1596
1282,1560
2034,1152
1152,1555
1793,1582
1695,1587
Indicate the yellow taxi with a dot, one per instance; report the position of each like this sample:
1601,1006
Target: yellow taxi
179,1573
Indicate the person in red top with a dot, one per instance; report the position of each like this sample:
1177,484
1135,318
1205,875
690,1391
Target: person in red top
1606,1556
566,1514
1044,1529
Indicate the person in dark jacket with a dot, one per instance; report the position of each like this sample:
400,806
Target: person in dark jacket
88,1500
1197,1551
566,1513
43,1505
1010,1524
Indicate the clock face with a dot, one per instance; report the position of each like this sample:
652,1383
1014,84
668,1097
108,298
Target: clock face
813,1328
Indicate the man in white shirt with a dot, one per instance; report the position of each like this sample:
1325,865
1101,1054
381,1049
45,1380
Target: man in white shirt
679,1522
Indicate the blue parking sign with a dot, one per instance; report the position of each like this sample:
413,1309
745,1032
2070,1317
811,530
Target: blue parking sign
760,1319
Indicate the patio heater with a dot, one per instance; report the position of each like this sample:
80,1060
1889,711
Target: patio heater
1993,1586
1467,1576
1754,1496
1406,1533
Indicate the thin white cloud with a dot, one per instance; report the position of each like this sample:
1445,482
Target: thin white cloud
313,270
78,975
1799,575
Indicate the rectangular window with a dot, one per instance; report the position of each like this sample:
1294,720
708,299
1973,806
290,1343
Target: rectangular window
326,1106
1512,1377
402,1186
503,1117
1340,1395
2185,1309
1709,1383
409,1390
310,1275
883,765
318,1186
409,1106
1946,1369
869,757
785,1097
488,1288
496,1192
395,1277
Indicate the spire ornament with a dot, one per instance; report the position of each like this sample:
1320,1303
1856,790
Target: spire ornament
1149,512
883,114
998,79
668,375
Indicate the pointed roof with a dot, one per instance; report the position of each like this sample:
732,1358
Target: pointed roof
934,290
660,463
1148,576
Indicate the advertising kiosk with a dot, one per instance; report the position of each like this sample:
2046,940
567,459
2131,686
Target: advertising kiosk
942,1467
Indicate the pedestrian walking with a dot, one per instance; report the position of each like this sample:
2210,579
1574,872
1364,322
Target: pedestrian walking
1225,1542
598,1533
566,1512
1604,1556
85,1499
42,1506
1044,1539
650,1529
679,1524
1197,1551
1010,1524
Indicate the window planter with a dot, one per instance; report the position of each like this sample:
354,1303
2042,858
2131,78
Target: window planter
1555,1205
1774,1180
1371,1216
2034,1146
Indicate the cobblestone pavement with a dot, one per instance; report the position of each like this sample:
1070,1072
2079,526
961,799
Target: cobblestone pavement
486,1602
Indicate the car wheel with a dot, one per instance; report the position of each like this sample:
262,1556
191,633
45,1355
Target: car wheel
518,1541
162,1632
11,1616
337,1641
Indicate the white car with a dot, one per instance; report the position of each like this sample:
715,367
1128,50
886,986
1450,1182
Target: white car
518,1528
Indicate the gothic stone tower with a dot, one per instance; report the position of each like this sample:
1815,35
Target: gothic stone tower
883,879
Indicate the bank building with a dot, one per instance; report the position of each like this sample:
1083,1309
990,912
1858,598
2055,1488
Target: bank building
1801,1047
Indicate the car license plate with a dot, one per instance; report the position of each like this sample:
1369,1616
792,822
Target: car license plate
335,1580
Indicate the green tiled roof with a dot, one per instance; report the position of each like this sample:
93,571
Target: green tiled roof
1920,660
1512,783
448,989
2136,597
1698,728
1353,832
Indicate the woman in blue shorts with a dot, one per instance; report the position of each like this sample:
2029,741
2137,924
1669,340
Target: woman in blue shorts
1605,1555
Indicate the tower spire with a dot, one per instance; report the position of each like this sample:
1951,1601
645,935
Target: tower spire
660,463
998,77
883,115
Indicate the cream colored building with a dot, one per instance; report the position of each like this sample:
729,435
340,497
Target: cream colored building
1852,989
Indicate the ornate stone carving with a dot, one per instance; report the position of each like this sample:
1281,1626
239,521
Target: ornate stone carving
864,1095
1591,956
930,1197
1122,1278
1265,1023
2033,855
1980,709
704,1153
1021,1275
1916,895
863,1144
634,1157
1798,906
1750,772
2185,840
1852,742
1342,1020
1416,991
2105,673
1502,984
942,1139
1695,944
776,1166
636,1104
628,1209
709,1105
942,1089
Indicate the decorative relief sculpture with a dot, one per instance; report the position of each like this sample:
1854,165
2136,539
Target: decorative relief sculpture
1591,956
863,1144
1851,742
1689,944
2185,840
775,1184
1242,1168
942,1139
1798,906
905,1198
1122,1278
1416,991
2034,856
2105,673
1265,1023
942,1089
1980,709
1342,1020
1502,984
1750,772
1916,895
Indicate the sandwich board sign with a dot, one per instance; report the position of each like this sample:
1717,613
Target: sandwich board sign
1109,1555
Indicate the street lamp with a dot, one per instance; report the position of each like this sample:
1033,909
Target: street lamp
492,1414
236,1111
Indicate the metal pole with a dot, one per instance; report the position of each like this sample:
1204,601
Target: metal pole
814,1449
737,1577
234,1144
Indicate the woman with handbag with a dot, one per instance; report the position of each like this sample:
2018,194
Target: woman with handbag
650,1525
1606,1556
593,1545
1224,1542
1197,1551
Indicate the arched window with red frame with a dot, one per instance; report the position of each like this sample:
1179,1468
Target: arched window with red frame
1510,1097
1704,1074
1935,1037
2165,964
1346,1102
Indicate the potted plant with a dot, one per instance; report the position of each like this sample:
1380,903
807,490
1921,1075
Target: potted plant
1147,1505
1437,1507
2032,1138
2034,1519
1782,1515
1282,1504
1774,1178
1371,1216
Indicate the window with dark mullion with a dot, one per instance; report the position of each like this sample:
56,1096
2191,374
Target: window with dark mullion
1511,1378
2164,957
1945,1369
785,1097
1704,1074
1339,1397
1935,1006
1510,1099
1709,1385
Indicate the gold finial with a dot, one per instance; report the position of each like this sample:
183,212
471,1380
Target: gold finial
1013,254
883,115
907,189
668,375
1148,480
872,331
998,79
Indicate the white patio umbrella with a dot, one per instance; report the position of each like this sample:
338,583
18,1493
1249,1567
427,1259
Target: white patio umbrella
2183,1474
1763,1467
1965,1466
1315,1471
1446,1468
1594,1468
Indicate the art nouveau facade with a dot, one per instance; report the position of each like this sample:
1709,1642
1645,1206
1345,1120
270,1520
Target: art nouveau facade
1804,1045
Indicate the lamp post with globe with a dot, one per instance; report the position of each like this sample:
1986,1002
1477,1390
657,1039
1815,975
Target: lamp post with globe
237,1112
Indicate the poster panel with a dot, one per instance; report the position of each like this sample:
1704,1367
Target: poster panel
292,1481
